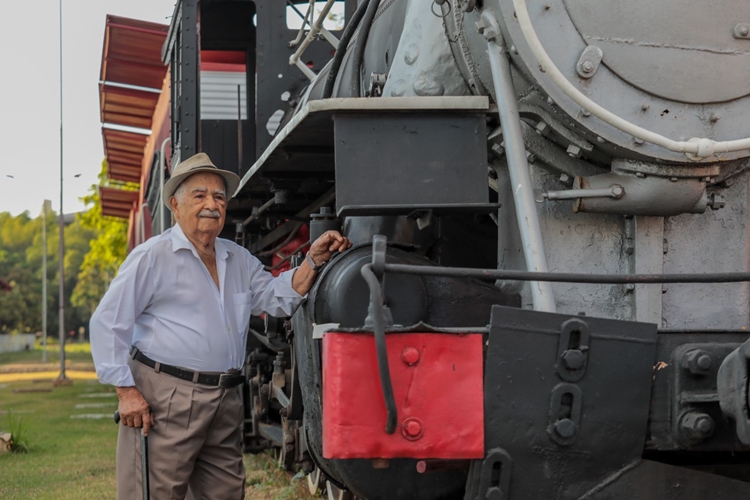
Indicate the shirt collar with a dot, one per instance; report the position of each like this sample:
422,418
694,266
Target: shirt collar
180,241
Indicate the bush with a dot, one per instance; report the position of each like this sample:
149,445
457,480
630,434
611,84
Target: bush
18,434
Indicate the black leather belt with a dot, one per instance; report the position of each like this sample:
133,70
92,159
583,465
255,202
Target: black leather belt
225,380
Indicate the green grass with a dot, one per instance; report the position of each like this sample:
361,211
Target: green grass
72,459
68,459
74,353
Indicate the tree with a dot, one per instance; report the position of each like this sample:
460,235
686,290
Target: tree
107,251
95,246
21,264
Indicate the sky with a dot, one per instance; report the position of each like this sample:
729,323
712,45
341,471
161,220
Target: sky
30,97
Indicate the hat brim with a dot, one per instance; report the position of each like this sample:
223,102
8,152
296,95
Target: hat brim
231,179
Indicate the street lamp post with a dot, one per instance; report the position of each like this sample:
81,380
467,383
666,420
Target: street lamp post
62,379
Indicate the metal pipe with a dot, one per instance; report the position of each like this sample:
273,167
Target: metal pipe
346,36
317,26
378,325
359,46
599,279
651,196
515,151
162,166
262,209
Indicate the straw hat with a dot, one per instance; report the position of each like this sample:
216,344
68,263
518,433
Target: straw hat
193,165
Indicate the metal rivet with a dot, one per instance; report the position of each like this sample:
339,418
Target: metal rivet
410,356
412,429
714,117
645,107
744,31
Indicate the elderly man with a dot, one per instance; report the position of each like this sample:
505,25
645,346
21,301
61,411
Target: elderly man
173,321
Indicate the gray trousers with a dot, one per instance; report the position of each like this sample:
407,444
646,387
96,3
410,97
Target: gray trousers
196,441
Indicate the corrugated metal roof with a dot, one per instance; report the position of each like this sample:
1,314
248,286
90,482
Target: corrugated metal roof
132,52
124,152
132,72
127,107
117,202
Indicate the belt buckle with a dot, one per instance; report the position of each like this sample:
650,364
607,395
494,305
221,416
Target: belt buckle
231,379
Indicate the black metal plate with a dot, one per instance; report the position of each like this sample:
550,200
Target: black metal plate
520,376
397,162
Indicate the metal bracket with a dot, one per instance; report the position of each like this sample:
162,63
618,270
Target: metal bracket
565,414
573,350
379,245
742,31
495,479
589,62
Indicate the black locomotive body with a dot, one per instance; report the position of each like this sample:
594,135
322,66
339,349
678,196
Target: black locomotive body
412,127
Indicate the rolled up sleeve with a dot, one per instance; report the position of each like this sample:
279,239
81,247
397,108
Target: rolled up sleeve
272,295
113,321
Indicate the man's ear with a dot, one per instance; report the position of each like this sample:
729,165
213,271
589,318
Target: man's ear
173,203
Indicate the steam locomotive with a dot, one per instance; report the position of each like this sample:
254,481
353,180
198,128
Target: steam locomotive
547,294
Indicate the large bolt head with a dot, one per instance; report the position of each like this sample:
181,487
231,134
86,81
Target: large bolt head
697,426
573,359
697,362
704,425
587,67
704,362
566,428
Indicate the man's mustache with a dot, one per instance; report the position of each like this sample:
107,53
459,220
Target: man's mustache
210,214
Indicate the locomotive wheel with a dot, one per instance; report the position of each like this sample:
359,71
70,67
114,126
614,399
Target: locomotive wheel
313,481
334,493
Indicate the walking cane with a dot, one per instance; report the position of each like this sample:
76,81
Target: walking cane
144,460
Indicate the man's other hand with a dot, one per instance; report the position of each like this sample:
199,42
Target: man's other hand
134,410
329,242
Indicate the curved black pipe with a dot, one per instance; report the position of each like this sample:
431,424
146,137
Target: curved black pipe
360,43
376,313
338,57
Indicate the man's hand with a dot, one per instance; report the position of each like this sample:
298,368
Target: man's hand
320,252
331,241
134,410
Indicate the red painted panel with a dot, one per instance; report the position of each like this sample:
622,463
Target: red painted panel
300,243
438,386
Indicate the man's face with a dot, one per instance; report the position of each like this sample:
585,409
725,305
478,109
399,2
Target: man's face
201,208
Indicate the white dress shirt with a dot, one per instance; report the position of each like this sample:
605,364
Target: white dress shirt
164,302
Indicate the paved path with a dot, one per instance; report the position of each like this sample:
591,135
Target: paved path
74,374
